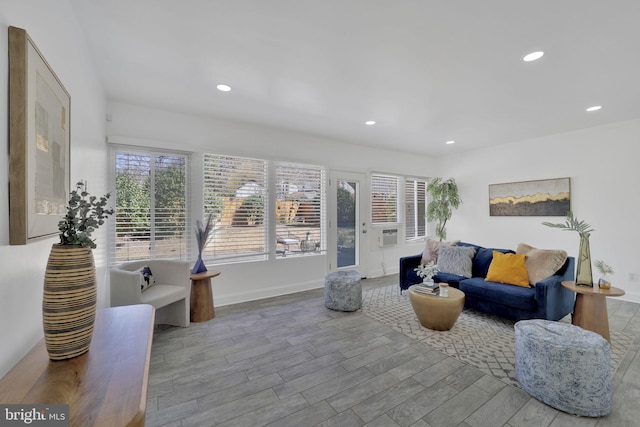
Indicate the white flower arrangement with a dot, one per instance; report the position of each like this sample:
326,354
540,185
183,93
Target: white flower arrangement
427,271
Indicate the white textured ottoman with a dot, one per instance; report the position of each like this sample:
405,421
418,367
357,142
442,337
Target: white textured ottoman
343,290
564,366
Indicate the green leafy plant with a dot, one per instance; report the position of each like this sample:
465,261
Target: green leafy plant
444,199
572,224
85,213
603,268
427,271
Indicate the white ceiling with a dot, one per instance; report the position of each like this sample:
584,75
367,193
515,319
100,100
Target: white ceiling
427,71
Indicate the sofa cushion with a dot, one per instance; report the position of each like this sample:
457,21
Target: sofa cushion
431,250
513,296
451,279
483,258
542,263
456,260
509,269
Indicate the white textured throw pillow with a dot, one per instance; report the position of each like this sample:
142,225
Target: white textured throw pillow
456,260
431,249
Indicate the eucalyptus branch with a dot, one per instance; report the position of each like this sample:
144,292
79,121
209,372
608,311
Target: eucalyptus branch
85,213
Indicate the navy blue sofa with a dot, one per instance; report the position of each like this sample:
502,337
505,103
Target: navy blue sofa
547,300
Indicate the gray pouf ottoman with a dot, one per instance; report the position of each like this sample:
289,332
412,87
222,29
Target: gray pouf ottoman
343,290
564,366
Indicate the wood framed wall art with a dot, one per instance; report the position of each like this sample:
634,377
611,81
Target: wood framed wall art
39,142
546,197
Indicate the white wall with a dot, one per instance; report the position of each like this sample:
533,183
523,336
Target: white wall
246,281
602,163
52,26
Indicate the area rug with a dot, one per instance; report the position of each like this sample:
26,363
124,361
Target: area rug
481,340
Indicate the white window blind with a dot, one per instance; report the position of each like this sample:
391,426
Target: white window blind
300,209
235,194
415,194
152,195
384,199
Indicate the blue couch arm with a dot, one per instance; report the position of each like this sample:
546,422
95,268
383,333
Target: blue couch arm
409,277
550,293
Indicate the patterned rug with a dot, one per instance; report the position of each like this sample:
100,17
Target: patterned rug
481,340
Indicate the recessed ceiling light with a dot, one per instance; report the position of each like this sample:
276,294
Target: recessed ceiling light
370,122
450,142
594,108
224,88
533,56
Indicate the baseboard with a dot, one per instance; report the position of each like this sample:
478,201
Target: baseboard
631,297
257,294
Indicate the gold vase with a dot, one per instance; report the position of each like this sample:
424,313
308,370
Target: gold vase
69,301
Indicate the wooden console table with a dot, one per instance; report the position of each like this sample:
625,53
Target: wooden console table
590,309
107,386
202,296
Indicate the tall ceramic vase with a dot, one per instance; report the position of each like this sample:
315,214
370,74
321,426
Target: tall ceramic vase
69,302
584,276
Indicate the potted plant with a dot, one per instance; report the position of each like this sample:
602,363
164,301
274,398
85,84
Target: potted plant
444,199
605,270
85,213
584,230
69,300
427,271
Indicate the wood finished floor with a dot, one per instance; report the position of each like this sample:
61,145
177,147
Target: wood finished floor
289,361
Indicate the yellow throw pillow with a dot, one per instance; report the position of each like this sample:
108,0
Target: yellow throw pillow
509,269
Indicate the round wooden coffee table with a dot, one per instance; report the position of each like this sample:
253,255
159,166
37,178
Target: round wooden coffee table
590,309
435,312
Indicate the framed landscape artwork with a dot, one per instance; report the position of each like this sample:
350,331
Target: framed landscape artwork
548,197
39,140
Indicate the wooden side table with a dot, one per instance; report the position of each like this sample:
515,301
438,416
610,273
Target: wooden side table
590,309
202,296
106,386
435,312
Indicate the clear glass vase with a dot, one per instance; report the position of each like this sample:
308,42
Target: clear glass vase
604,282
584,276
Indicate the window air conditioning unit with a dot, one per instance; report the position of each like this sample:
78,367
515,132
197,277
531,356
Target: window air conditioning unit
388,237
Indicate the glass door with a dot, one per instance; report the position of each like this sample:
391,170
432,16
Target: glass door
348,230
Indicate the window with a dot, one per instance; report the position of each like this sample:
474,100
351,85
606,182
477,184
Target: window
152,195
300,209
235,194
384,199
415,195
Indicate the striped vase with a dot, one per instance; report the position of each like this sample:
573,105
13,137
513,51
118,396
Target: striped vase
69,302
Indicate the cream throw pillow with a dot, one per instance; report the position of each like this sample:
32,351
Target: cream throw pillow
541,263
432,248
